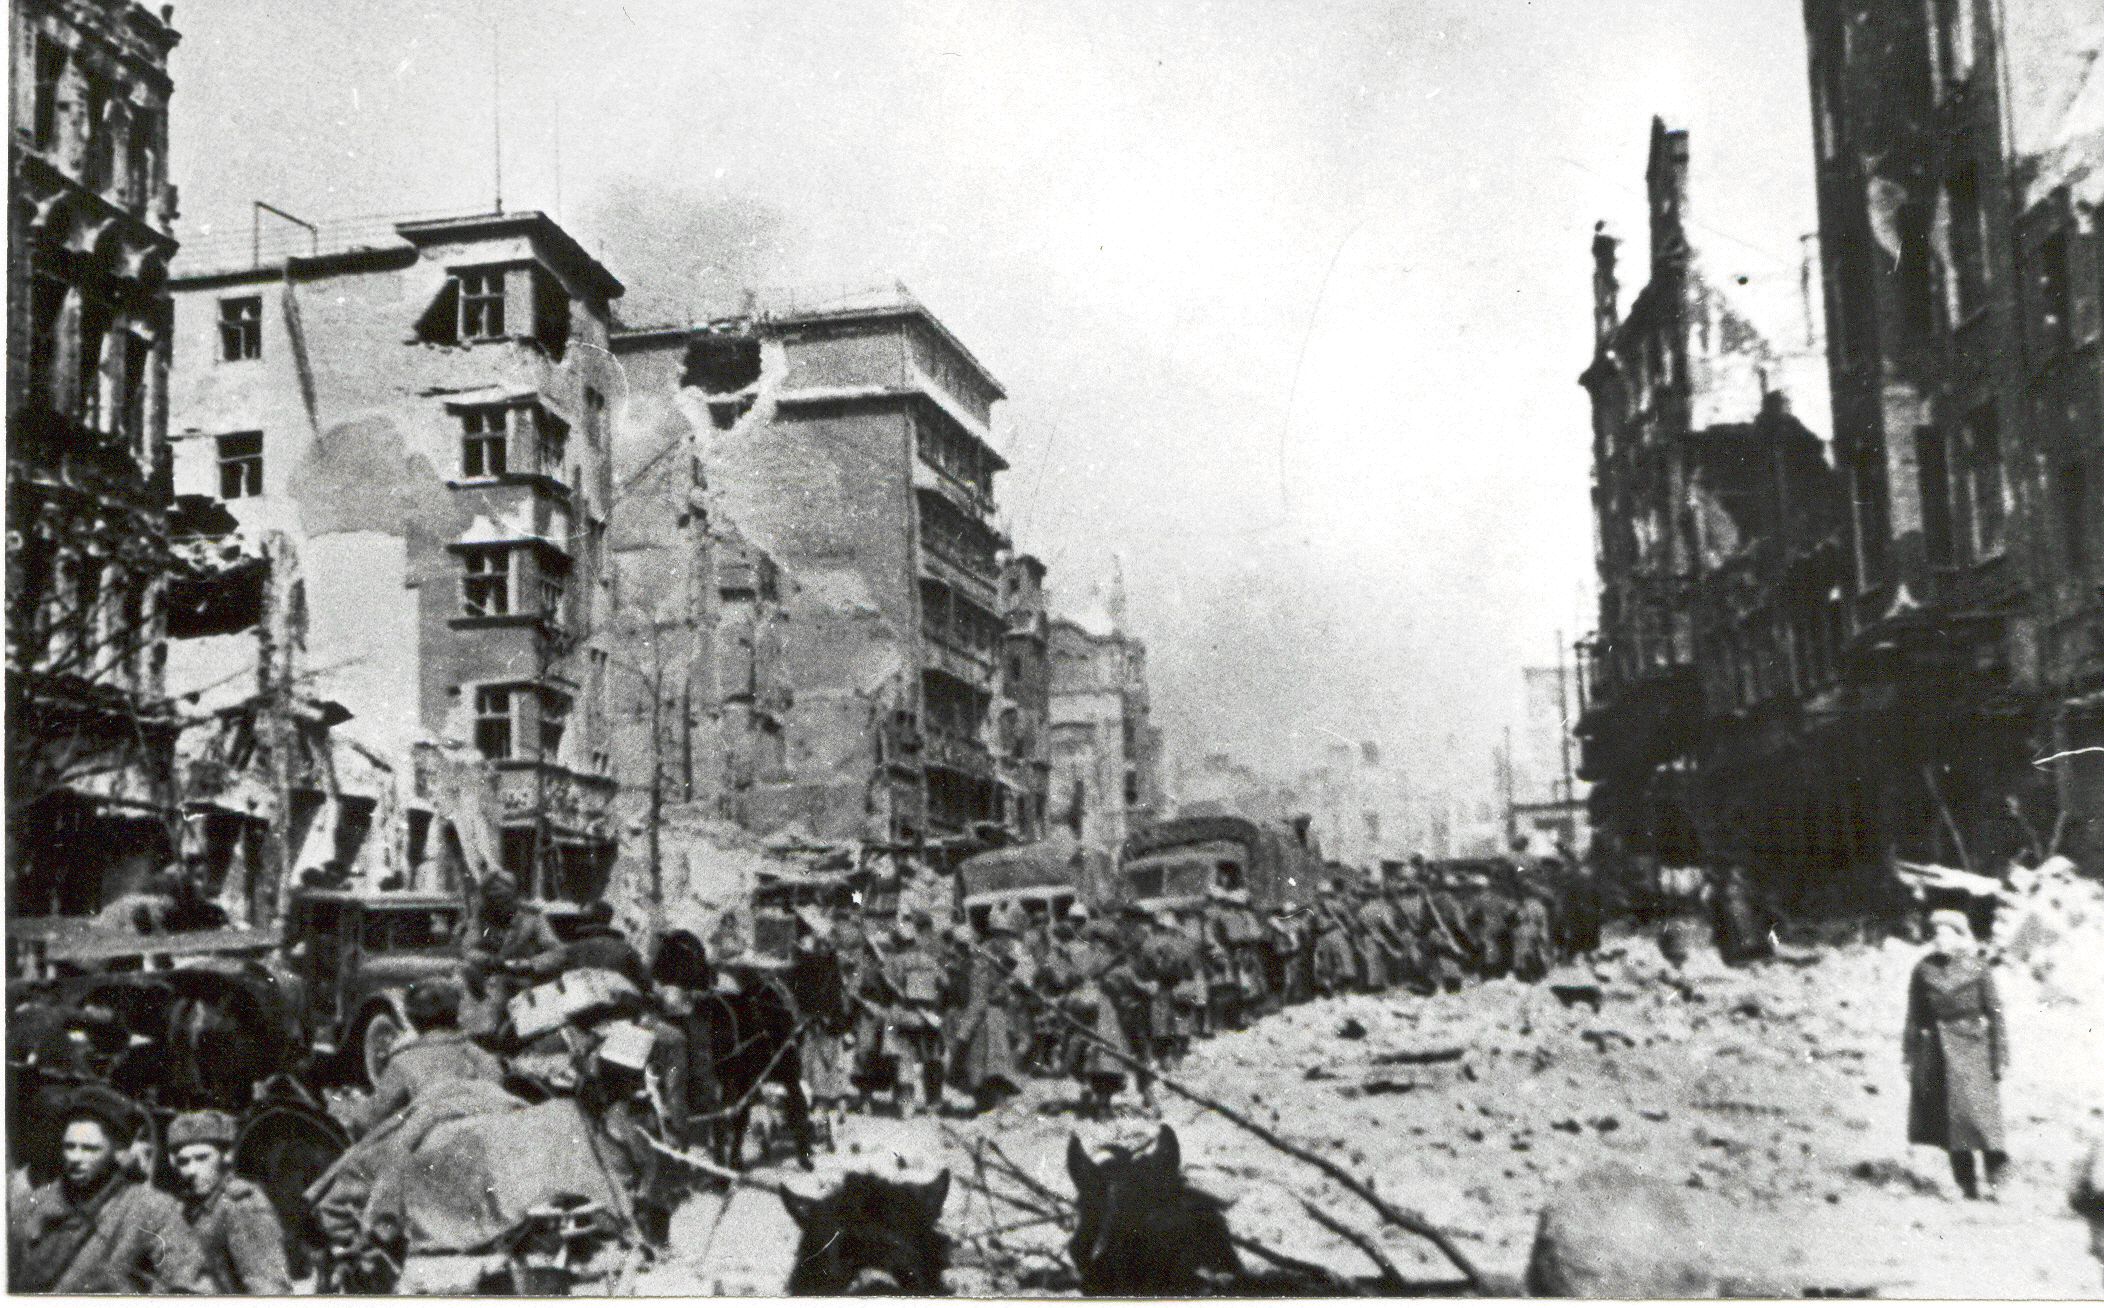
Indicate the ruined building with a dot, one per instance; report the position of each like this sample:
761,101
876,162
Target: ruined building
1707,720
850,443
1023,698
1960,165
1105,749
417,412
90,795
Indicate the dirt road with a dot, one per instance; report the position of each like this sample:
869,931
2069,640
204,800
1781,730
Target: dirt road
1778,1088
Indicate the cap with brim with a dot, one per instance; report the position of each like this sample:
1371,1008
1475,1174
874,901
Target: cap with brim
1950,917
1079,912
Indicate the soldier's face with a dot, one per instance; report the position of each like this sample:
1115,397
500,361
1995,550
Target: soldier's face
200,1166
86,1152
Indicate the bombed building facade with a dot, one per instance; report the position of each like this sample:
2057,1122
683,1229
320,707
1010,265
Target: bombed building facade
1703,719
1105,751
419,411
91,805
1960,156
1811,665
851,442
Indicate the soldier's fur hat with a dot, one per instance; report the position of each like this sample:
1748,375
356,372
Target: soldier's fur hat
205,1126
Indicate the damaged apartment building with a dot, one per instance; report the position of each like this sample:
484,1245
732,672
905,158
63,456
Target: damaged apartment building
1106,752
404,427
1707,692
832,465
91,800
1960,165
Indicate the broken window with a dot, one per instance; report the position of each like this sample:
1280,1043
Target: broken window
481,304
50,71
142,154
494,737
241,465
1932,467
551,312
95,167
555,721
241,328
485,585
482,441
96,318
1983,455
1951,35
1968,242
553,440
551,596
47,306
138,365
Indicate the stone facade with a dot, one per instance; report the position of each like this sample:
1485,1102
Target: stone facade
850,443
1960,156
422,412
90,771
1105,750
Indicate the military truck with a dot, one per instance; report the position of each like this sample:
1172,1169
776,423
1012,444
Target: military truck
1177,863
1039,880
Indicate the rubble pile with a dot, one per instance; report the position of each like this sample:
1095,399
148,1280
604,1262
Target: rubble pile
1774,1090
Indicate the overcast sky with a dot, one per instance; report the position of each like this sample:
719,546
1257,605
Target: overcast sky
1290,297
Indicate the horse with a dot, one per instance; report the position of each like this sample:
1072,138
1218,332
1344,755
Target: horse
870,1236
1143,1231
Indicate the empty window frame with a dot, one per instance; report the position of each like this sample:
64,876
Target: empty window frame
241,328
494,734
484,437
1983,457
482,304
485,582
241,465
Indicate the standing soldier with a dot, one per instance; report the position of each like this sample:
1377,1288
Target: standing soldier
1956,1048
236,1228
1335,966
1089,1004
99,1228
1194,1003
1452,950
982,1060
1383,962
1413,926
818,987
1488,920
1530,936
1223,995
918,1017
1126,985
1164,966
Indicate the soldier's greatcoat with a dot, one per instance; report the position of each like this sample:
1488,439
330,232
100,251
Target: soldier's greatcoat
242,1242
126,1238
1956,1047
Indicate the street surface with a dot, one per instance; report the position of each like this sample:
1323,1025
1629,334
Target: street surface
1778,1088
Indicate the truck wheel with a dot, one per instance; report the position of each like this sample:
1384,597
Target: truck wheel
382,1032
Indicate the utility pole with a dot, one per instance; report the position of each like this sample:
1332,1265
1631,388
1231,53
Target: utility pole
1563,718
496,111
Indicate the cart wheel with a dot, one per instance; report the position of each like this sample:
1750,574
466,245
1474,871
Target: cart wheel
383,1031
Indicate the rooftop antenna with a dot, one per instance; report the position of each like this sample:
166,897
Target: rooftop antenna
496,110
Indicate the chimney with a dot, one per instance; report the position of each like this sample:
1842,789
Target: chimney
1667,181
1606,291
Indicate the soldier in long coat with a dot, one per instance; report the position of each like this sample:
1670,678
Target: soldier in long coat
1165,965
1336,965
1450,948
236,1228
99,1228
982,1058
1531,943
1956,1048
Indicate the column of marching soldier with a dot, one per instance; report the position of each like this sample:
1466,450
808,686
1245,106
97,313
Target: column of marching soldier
900,1012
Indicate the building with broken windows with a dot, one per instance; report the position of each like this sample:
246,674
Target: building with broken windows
1960,166
1023,698
1707,715
1106,769
416,412
90,794
849,441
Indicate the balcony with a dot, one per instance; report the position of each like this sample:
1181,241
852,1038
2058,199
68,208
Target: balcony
952,752
943,653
